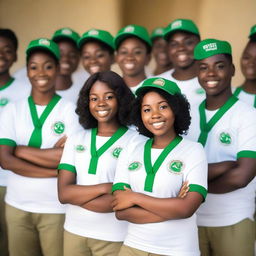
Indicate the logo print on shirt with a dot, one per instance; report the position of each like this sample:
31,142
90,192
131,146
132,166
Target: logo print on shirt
134,166
58,127
116,152
80,148
3,102
225,138
200,91
176,166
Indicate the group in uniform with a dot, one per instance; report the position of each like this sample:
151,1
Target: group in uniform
95,163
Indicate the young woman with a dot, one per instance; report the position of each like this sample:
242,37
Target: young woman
32,134
97,50
150,174
133,48
88,165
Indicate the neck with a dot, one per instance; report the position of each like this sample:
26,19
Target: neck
107,129
42,98
133,81
4,78
161,69
187,73
63,82
214,102
163,141
249,86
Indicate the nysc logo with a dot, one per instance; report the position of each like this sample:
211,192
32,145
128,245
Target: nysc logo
200,91
134,166
176,166
3,102
80,148
225,138
116,152
58,127
210,47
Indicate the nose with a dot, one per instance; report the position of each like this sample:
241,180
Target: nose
155,114
101,102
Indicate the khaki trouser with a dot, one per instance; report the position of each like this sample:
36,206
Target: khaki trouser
129,251
34,234
75,245
3,228
234,240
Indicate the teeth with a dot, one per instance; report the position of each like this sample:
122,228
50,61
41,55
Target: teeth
42,81
182,57
212,83
102,113
158,124
94,69
65,65
129,65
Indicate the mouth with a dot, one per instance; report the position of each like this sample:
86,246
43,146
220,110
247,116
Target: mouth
94,69
162,56
65,66
2,62
42,81
129,66
212,84
158,125
102,113
182,57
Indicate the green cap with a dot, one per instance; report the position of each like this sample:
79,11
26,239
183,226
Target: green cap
45,44
160,83
97,34
157,32
65,33
182,25
252,31
132,30
211,47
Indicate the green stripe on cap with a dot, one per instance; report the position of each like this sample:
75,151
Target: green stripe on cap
66,33
160,83
211,47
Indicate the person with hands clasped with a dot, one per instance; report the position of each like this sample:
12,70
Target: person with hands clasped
150,175
88,164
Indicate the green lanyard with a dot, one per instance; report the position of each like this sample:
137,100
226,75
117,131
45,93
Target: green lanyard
7,84
95,154
36,136
206,127
238,91
152,170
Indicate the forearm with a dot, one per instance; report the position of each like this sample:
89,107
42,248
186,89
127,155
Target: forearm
215,170
100,204
48,158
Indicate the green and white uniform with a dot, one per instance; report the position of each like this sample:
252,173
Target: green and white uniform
227,134
248,98
93,159
22,127
182,160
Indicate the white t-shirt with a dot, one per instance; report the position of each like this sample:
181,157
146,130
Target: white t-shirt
234,134
35,194
186,162
190,88
248,98
12,92
76,158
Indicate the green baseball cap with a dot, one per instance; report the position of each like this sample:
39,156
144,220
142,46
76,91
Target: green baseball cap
97,34
157,32
65,33
45,44
252,31
160,83
182,25
132,30
211,47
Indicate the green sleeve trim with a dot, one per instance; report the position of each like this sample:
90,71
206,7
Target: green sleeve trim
8,142
120,186
246,153
67,167
197,188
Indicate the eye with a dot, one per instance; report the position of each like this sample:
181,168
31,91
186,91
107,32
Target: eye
100,55
138,52
122,52
220,66
85,57
32,67
49,66
146,110
164,106
189,42
173,44
109,97
93,98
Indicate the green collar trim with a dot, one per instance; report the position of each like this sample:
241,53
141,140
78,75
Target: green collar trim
206,127
7,84
238,91
95,154
36,136
152,170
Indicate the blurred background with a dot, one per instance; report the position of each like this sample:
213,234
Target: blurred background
228,20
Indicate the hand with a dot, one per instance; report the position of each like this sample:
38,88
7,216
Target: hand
61,142
123,199
184,190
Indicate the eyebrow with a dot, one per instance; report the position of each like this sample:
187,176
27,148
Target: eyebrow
104,93
163,101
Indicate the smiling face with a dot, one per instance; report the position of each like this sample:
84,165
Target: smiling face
7,54
157,115
159,51
181,49
132,57
42,71
103,103
215,74
95,58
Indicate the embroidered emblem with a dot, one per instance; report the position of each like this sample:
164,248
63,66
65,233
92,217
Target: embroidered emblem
66,31
58,127
3,102
176,24
93,32
80,148
159,82
116,152
44,42
210,47
176,166
129,29
200,91
134,166
225,138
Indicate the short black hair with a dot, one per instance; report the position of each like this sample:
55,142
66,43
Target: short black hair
8,33
123,94
41,50
66,40
183,31
252,39
178,104
229,57
104,46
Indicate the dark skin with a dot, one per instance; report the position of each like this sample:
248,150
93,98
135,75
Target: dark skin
28,161
134,207
215,74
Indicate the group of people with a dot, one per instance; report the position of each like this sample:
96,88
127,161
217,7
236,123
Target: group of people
137,164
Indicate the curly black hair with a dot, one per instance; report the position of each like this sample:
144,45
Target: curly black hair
103,46
178,104
123,94
8,33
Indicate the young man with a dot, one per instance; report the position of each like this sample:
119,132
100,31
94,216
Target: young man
182,35
226,127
